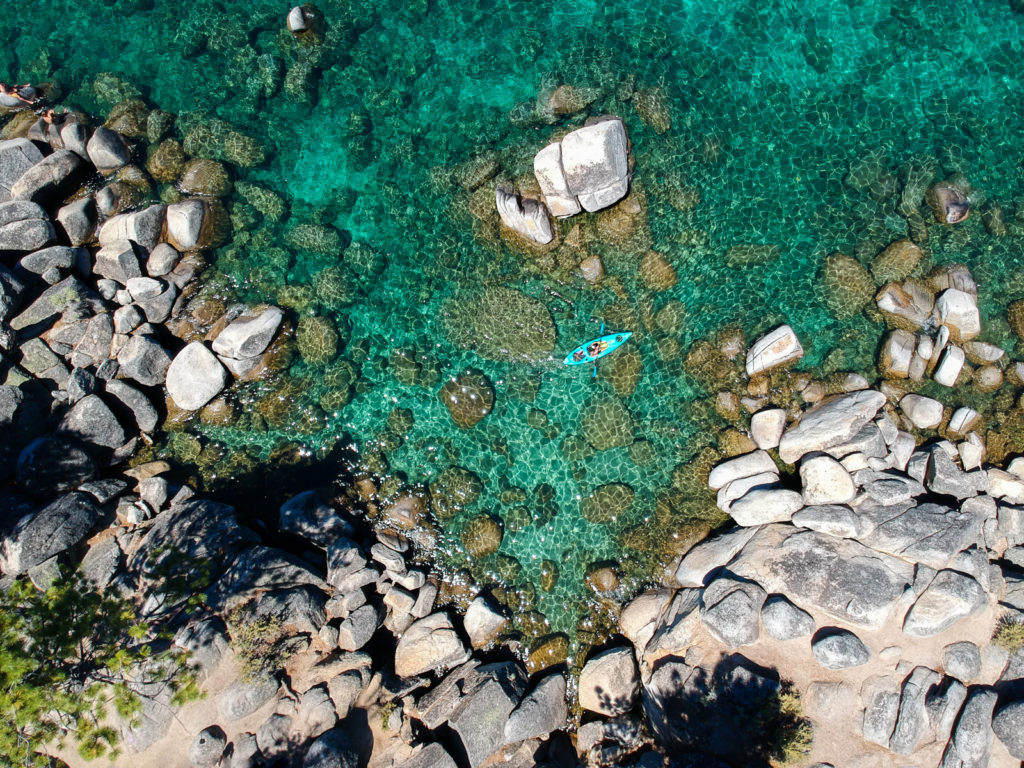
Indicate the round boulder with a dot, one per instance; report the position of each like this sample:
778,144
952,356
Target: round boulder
1009,727
783,620
962,660
195,377
208,746
835,648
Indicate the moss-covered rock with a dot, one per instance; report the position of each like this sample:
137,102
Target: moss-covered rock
268,203
129,118
481,536
548,575
333,289
623,369
318,340
656,273
652,107
1015,316
167,161
752,255
314,237
206,177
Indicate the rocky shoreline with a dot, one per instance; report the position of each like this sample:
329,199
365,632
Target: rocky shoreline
850,614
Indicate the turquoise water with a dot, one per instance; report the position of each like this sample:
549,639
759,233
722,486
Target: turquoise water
367,132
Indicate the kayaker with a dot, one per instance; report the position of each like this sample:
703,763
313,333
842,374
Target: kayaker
578,355
597,348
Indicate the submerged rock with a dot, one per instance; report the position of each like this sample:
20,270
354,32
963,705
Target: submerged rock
501,324
468,398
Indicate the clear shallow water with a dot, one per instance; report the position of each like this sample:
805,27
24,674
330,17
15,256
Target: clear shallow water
770,105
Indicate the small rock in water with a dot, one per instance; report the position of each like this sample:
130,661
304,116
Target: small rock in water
949,204
527,217
924,412
767,426
777,348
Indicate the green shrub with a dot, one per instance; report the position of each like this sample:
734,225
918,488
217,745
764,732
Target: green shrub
1009,634
66,655
259,642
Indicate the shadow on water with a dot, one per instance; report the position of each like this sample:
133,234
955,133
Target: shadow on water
738,714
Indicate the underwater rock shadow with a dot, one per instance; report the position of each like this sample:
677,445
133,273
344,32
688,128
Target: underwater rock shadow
735,715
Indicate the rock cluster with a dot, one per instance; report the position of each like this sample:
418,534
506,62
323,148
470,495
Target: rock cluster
588,170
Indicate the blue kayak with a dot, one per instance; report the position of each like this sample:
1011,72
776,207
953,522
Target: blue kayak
589,353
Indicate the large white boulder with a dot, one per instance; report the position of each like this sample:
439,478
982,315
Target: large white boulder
588,169
959,311
547,167
195,377
924,412
825,480
897,354
775,348
767,426
766,504
747,465
596,164
830,423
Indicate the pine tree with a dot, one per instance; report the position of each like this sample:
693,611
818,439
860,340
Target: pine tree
67,656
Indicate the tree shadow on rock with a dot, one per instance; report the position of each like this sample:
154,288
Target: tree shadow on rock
738,713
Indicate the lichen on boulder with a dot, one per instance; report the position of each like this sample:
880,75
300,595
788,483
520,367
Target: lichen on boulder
501,324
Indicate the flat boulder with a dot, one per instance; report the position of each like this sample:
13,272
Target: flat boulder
841,577
50,179
249,336
57,527
766,504
950,596
24,226
832,422
429,644
778,347
195,377
710,554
